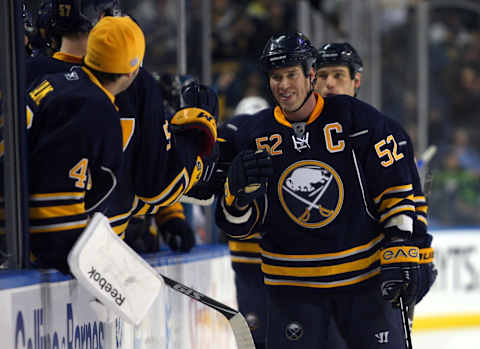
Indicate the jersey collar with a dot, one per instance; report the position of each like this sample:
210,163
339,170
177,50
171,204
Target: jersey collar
282,119
96,82
66,57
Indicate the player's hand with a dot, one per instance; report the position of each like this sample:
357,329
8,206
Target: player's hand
198,116
200,96
426,278
210,185
427,273
178,234
399,262
247,177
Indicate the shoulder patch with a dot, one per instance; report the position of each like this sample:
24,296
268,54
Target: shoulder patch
128,127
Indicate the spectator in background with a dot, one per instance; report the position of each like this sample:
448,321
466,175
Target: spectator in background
468,158
158,20
455,196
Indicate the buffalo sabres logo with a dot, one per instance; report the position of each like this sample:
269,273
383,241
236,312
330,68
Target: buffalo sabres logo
311,193
294,331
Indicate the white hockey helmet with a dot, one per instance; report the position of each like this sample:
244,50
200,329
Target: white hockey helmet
251,105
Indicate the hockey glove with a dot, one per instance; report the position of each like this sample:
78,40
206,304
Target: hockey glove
399,271
140,236
178,235
198,116
210,185
247,177
427,272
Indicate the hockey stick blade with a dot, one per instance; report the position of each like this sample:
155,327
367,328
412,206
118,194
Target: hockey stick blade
241,331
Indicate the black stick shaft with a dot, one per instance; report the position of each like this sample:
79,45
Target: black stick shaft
210,302
406,324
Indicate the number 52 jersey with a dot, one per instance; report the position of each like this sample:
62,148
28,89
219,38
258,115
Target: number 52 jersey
343,180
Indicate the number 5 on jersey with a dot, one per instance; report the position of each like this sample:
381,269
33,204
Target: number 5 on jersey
392,155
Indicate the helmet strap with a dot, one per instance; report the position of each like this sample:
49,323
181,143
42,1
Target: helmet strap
312,85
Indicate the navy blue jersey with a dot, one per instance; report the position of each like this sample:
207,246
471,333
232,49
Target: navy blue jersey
40,65
74,159
242,251
158,166
343,180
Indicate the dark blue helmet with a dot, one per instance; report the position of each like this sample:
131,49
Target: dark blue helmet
29,29
44,39
339,54
286,50
79,16
27,18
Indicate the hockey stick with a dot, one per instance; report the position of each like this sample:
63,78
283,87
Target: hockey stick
241,331
423,165
406,324
115,274
424,162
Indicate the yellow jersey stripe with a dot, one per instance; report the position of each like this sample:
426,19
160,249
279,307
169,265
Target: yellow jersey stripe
240,246
120,229
325,256
331,284
58,227
56,211
393,190
323,270
389,203
404,208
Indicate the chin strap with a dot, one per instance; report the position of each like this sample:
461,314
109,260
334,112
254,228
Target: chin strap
312,85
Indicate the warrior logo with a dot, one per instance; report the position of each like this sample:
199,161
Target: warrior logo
311,193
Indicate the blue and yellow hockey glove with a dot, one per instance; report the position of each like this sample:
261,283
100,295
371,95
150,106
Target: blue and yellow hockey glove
427,272
198,116
247,177
174,228
399,262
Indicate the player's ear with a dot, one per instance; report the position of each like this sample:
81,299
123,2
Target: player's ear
133,73
358,80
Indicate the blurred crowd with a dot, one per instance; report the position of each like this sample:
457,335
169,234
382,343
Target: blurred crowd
453,183
241,27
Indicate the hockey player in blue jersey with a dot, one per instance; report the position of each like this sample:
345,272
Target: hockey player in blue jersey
337,214
339,71
163,156
75,139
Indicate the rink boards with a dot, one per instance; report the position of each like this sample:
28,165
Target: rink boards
48,310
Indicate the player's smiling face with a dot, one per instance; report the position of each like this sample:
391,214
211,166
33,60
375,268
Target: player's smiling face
289,86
